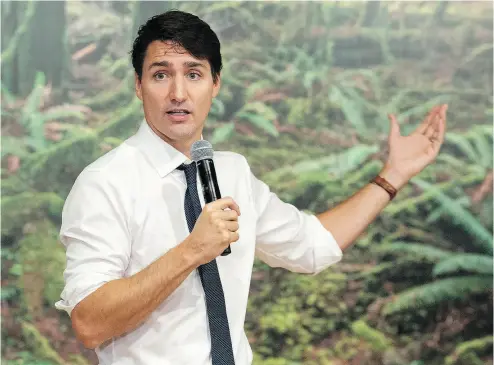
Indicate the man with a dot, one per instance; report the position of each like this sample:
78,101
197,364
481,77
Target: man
145,281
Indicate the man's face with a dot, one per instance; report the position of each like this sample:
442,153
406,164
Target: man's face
176,90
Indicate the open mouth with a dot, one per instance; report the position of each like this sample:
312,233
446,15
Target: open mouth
178,112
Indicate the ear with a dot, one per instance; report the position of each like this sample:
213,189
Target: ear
217,86
138,86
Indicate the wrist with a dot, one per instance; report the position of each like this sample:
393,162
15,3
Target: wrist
188,253
393,177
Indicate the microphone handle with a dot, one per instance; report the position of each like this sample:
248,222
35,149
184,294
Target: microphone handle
210,188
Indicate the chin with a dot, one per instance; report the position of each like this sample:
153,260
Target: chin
183,132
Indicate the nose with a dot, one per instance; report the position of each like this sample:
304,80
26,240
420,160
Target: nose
178,92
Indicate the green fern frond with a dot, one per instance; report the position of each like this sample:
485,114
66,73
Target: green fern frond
385,268
419,110
425,252
438,212
463,144
350,109
477,264
478,345
222,133
483,129
483,146
452,161
437,292
363,173
33,101
61,113
462,217
336,164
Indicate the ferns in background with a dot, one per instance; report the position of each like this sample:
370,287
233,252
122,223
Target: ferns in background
469,273
458,215
431,294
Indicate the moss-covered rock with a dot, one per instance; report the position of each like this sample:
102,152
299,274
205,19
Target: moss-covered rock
42,259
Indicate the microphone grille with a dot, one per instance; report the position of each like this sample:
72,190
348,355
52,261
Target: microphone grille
201,150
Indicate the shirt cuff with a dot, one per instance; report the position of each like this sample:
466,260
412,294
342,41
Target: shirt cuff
72,295
327,252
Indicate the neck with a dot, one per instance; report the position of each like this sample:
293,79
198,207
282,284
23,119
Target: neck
182,145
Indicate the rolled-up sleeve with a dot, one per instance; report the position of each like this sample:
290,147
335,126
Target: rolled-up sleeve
288,237
95,235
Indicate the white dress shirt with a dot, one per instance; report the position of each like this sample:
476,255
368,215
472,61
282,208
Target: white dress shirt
126,209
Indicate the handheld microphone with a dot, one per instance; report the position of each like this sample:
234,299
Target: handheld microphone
202,153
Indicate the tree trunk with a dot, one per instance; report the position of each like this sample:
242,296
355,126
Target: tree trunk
440,12
146,9
371,13
33,40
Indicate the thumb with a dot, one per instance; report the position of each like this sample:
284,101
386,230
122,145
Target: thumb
394,130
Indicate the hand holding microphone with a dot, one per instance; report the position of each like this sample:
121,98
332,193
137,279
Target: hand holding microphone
216,226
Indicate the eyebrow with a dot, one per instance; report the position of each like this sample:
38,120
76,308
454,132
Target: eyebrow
188,64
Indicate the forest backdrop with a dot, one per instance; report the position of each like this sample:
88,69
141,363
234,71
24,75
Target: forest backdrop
306,89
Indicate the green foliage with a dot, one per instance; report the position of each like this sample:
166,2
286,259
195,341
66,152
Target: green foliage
421,251
289,320
305,99
350,109
64,161
347,347
476,264
27,358
42,259
33,118
466,352
78,360
222,133
377,340
116,97
27,207
40,346
336,165
260,115
475,145
9,51
462,217
458,288
123,124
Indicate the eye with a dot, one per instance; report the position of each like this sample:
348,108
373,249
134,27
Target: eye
194,76
159,76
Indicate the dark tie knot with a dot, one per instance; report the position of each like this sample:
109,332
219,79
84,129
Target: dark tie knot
190,172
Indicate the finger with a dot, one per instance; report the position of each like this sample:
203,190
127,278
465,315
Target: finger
234,236
427,120
433,127
232,226
394,127
444,109
226,215
224,203
438,141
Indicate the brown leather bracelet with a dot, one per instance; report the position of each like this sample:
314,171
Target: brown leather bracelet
383,183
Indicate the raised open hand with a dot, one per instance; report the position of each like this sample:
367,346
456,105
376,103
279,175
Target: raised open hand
408,155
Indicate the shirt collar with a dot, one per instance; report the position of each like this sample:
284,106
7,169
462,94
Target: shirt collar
163,157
